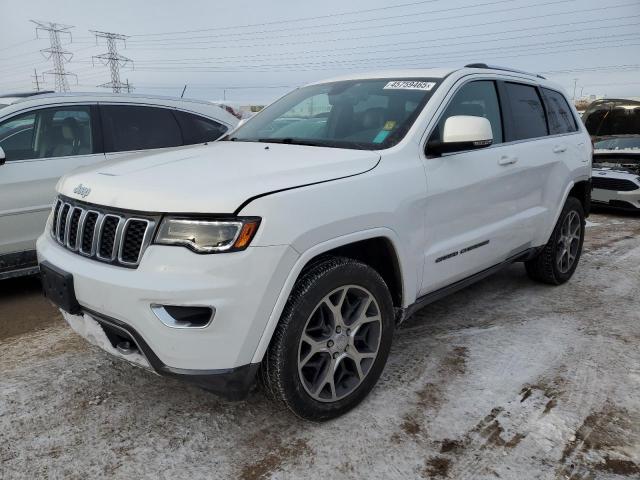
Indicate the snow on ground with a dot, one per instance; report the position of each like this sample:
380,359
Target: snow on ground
506,379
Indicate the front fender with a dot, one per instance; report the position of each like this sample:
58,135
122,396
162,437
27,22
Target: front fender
313,252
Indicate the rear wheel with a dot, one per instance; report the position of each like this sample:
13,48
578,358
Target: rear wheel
332,341
557,261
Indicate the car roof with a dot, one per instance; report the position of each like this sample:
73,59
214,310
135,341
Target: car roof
104,97
397,73
441,73
25,94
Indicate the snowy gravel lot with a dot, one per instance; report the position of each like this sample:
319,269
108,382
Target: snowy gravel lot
506,379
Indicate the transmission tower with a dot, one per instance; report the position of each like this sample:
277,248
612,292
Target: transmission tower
56,53
113,60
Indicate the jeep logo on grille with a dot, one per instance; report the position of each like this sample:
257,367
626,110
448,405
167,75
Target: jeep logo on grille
82,190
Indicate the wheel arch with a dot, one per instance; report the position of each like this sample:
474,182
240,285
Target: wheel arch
579,188
367,246
582,191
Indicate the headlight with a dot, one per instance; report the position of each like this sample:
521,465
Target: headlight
208,236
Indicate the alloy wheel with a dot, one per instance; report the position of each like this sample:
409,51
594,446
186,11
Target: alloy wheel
339,343
568,242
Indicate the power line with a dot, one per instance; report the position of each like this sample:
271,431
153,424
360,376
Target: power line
292,55
466,53
299,19
56,53
355,28
113,59
305,55
333,39
14,45
450,57
334,24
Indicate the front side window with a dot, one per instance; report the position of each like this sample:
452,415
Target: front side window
48,133
527,112
561,119
197,129
475,99
357,114
129,127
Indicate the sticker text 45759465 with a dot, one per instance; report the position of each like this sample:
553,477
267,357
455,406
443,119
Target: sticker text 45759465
409,85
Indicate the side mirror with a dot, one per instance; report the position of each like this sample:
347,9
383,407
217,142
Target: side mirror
3,157
462,132
241,122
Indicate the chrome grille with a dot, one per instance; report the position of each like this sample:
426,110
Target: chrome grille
115,237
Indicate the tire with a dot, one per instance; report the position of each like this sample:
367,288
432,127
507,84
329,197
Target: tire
295,370
555,263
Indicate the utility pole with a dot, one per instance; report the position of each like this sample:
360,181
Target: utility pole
35,80
113,60
56,53
575,85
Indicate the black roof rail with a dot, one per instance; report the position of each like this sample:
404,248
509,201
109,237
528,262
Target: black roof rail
494,67
25,94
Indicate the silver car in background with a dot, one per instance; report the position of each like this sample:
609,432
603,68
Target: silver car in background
43,137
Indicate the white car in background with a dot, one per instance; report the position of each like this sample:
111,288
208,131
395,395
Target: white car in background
614,125
46,136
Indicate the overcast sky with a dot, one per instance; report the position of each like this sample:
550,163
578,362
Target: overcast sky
254,51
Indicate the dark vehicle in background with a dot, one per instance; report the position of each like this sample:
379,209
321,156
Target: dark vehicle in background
614,127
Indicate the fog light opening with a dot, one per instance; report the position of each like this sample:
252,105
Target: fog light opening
187,316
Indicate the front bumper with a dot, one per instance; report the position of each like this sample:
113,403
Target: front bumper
623,200
230,383
243,287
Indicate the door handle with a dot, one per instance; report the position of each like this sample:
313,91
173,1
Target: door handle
559,149
507,160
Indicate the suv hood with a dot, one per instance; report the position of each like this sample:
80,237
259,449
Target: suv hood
214,178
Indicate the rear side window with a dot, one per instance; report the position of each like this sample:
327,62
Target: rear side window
129,127
561,119
528,116
196,129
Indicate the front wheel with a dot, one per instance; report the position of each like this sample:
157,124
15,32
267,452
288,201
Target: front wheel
332,341
557,261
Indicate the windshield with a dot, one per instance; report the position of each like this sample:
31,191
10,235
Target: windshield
356,114
621,143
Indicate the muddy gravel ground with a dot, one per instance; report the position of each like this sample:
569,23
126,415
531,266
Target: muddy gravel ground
506,379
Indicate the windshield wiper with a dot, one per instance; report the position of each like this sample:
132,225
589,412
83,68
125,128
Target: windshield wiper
315,143
277,140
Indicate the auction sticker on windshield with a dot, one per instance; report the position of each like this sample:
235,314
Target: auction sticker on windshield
409,85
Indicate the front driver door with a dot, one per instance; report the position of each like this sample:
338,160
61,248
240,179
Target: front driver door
40,146
472,196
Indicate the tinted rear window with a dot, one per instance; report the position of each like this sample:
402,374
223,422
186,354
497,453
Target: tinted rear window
526,109
196,129
561,119
129,127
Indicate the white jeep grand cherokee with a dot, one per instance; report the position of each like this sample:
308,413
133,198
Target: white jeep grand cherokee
290,252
